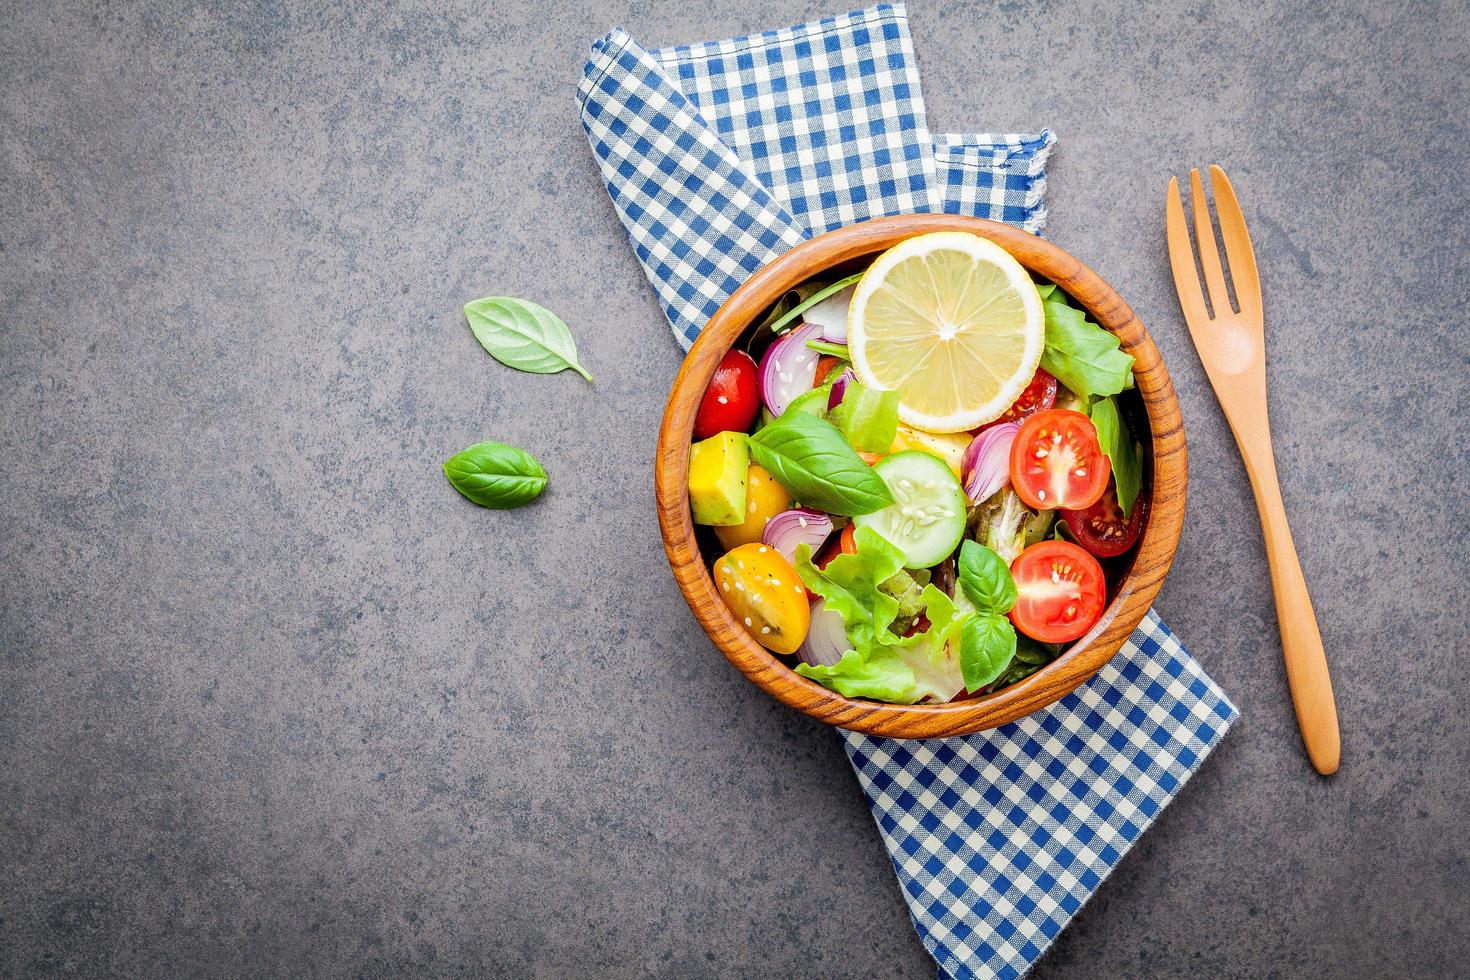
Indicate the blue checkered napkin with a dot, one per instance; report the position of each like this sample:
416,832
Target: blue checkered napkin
999,838
721,156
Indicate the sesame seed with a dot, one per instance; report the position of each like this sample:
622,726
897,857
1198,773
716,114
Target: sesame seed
798,590
725,586
739,587
723,400
802,521
1040,495
747,620
740,564
765,629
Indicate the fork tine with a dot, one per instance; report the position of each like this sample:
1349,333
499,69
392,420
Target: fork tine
1243,274
1181,258
1209,252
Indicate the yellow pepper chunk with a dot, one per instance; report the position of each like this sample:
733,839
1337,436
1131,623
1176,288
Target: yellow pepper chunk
948,446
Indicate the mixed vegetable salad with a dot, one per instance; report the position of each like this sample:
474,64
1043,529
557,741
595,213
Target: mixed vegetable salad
915,474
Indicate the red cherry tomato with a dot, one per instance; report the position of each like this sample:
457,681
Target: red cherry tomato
1102,529
1060,592
1056,461
732,400
1039,395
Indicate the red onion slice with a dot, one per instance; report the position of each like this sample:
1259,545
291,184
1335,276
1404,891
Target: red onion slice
826,639
831,315
987,462
839,388
789,368
793,527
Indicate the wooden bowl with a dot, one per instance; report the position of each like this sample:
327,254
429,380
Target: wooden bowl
1133,592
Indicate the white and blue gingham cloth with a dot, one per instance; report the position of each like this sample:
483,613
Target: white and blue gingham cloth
718,158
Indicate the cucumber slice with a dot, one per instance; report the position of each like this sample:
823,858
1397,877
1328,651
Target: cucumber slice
927,518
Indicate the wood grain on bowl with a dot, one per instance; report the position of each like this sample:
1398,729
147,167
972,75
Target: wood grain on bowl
1164,488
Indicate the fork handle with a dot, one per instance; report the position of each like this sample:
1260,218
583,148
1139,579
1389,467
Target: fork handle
1301,642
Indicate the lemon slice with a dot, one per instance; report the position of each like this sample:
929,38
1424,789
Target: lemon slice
951,322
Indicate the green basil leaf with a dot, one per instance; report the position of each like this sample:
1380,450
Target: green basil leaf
1034,652
868,418
495,475
811,459
813,300
986,580
522,335
987,646
1124,454
1017,671
1082,355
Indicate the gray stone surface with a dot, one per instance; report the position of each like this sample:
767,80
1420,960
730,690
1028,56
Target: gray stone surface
275,700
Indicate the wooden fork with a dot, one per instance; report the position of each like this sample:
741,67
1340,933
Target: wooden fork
1232,346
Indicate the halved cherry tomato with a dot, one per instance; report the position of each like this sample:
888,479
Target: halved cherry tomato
732,400
1039,395
1102,529
765,594
1056,461
825,364
1060,592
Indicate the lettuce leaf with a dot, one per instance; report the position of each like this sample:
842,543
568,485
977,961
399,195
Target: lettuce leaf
1123,452
933,655
1007,526
1079,353
850,586
867,417
882,665
880,675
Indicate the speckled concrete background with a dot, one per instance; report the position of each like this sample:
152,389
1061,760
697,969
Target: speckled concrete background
275,700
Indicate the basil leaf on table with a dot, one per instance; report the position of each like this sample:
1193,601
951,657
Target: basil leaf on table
986,647
811,459
986,579
523,335
495,475
1124,454
1080,354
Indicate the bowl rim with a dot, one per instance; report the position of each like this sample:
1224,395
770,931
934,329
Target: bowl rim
1135,591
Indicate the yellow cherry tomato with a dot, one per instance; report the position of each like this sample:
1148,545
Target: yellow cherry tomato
764,499
765,594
